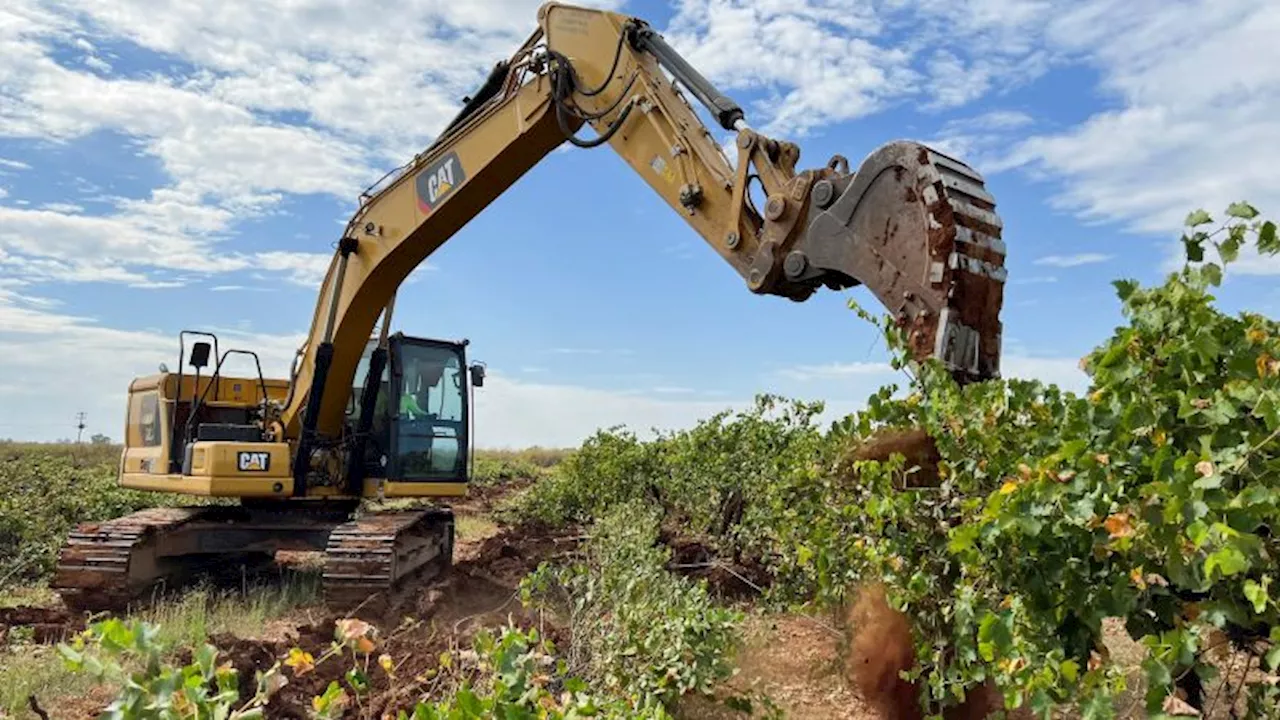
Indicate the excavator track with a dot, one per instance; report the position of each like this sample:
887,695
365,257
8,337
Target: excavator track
372,563
107,566
113,565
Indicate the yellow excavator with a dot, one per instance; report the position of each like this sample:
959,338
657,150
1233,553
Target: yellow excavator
369,414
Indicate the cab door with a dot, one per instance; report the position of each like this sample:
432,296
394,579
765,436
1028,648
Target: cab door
429,411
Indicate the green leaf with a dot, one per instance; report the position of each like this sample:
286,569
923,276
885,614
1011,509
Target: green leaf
1242,210
1267,242
1212,274
1273,658
1229,249
994,636
1070,670
1125,288
1256,595
205,657
1229,560
804,555
1199,217
1269,410
1194,247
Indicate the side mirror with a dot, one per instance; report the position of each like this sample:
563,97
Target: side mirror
477,375
200,355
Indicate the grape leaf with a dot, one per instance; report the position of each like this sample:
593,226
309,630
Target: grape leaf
1242,210
1199,217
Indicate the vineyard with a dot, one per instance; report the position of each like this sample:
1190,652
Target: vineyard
947,552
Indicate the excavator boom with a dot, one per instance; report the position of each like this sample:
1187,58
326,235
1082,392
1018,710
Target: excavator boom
916,227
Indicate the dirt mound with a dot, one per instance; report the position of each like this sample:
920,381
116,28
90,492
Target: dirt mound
44,624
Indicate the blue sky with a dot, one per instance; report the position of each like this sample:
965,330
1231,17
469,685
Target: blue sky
173,167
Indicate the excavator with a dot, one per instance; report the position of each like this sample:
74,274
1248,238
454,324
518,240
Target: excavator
369,415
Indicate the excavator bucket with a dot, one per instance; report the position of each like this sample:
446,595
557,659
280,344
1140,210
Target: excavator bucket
920,231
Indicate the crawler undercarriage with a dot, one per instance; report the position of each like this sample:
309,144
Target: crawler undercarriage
370,561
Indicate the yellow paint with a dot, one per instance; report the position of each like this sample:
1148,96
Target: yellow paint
210,486
416,489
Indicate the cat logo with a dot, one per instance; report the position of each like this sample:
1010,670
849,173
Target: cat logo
253,461
439,180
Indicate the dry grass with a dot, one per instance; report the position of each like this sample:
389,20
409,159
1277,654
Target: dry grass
27,670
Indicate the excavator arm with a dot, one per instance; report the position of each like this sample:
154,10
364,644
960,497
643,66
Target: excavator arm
916,227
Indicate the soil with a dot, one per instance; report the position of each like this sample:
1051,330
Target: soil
481,591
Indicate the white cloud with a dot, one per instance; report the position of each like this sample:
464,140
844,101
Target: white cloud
825,61
1063,372
806,373
365,109
1068,261
1035,280
63,207
306,269
982,140
14,164
1194,87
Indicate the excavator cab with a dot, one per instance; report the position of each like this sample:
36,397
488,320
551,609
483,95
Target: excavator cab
421,421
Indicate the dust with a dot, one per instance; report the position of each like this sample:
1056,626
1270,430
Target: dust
881,647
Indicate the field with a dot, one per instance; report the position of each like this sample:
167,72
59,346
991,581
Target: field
949,551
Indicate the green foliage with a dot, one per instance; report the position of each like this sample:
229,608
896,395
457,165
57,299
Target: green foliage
44,491
638,631
129,656
1151,499
727,479
518,676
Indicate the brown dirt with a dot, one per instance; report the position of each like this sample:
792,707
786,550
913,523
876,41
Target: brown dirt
480,591
793,660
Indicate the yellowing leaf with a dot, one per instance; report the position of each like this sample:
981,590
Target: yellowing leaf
386,663
1256,335
1159,437
1135,576
301,661
1118,525
1102,458
1266,365
1008,487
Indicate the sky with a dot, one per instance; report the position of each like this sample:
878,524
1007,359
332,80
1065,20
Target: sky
171,165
